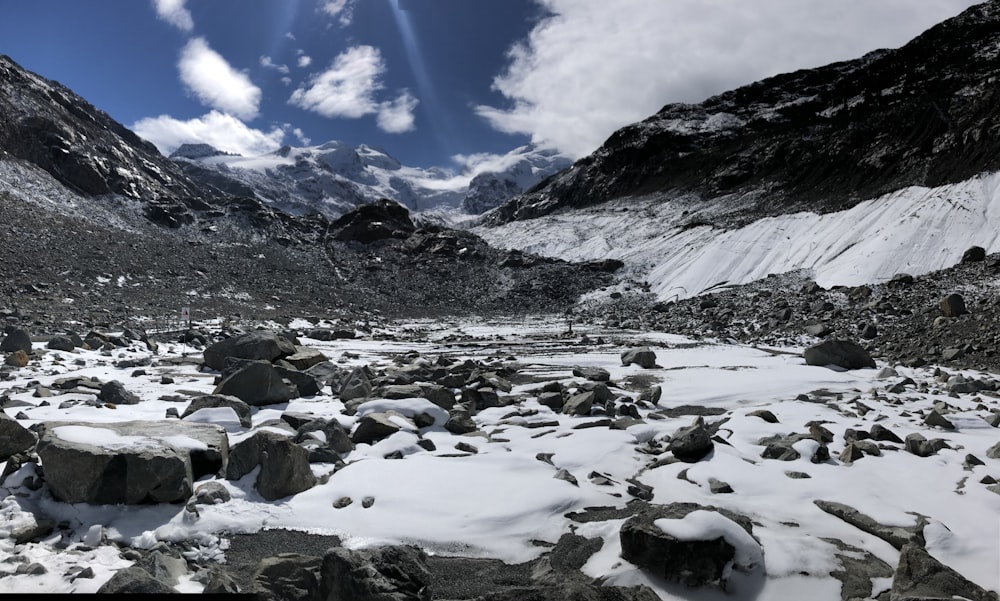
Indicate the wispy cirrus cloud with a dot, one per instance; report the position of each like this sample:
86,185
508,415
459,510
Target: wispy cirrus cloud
342,10
175,13
215,82
591,67
223,131
349,89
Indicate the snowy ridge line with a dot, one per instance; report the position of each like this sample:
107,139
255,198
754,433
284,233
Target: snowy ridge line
914,230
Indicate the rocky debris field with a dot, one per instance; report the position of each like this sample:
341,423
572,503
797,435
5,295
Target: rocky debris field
479,460
948,317
84,260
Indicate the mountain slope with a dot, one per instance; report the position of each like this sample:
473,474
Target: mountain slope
821,139
46,124
854,171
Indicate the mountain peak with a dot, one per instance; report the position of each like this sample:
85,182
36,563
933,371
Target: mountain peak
197,151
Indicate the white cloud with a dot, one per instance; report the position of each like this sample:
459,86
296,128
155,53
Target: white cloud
301,137
593,66
347,88
266,62
396,116
343,10
173,12
225,132
215,83
305,61
286,80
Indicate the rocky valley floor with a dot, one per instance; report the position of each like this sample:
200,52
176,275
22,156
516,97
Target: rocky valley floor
511,460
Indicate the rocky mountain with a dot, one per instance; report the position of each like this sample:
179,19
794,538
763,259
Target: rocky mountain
819,139
114,229
47,125
334,177
854,172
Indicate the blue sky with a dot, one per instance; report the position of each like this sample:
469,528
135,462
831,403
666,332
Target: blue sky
447,83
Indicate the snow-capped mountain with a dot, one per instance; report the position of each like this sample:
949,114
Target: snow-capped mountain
334,177
856,170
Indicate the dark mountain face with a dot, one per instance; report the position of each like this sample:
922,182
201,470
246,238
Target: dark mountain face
820,139
46,124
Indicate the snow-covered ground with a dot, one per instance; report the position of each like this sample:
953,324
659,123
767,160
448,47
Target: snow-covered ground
914,230
496,502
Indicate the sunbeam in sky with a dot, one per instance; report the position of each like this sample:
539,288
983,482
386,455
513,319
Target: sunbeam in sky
441,126
429,80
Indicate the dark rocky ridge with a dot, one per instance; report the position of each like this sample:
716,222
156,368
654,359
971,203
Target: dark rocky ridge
820,139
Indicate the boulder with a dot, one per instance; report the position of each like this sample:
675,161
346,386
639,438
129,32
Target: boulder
919,576
953,305
690,444
596,374
305,384
258,383
134,580
14,438
373,428
643,357
129,462
61,343
219,401
690,544
114,392
840,353
460,421
974,254
17,339
382,574
579,404
17,359
284,465
303,358
259,345
289,577
356,386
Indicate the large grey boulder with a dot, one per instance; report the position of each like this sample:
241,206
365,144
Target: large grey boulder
18,339
840,353
14,437
114,392
258,383
134,580
129,462
728,544
289,577
921,577
643,357
356,386
284,465
373,428
263,345
381,574
209,402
